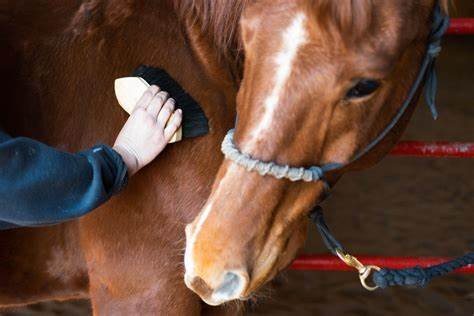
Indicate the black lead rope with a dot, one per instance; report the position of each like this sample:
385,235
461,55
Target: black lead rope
382,278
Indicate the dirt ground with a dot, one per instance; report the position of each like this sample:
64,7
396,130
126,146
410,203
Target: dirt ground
403,206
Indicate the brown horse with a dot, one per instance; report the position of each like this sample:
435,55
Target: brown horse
58,63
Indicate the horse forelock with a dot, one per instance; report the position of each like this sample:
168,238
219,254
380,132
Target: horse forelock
355,20
348,17
219,20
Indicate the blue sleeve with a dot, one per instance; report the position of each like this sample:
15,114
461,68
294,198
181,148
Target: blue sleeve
40,185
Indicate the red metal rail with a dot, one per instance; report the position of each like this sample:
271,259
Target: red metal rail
333,263
434,149
462,26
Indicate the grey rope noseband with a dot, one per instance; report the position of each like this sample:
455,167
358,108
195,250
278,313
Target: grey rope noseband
231,152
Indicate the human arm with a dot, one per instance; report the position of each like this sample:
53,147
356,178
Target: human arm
40,185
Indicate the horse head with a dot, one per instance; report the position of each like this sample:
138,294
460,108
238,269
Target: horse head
321,80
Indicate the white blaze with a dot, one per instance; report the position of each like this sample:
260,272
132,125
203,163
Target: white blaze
292,39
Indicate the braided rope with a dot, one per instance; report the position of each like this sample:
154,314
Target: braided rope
231,152
419,276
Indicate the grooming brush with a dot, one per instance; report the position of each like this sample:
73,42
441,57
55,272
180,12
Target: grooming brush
128,91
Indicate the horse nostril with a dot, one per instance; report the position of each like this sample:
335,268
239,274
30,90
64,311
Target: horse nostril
232,287
198,285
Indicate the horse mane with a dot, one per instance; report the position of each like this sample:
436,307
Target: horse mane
219,20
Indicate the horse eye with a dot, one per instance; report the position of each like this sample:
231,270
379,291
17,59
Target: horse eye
363,88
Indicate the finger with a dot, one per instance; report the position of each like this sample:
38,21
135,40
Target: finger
173,124
157,103
147,97
165,112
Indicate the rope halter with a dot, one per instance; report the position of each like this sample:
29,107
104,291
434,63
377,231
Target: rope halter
416,276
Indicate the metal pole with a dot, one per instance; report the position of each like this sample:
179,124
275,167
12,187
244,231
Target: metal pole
332,263
434,149
461,26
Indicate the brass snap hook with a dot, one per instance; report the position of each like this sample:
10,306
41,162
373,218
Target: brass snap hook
364,271
365,274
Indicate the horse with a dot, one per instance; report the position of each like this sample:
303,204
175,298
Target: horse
59,62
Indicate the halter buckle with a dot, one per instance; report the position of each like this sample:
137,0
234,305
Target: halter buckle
364,271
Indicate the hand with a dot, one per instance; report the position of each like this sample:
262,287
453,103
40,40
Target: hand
144,136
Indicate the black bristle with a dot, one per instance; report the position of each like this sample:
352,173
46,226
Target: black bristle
195,122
